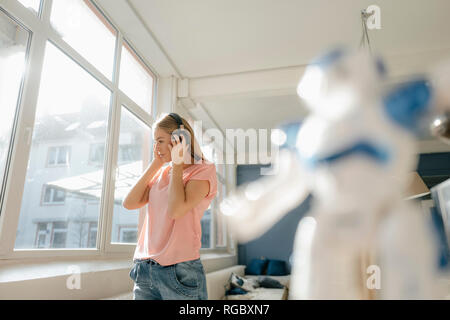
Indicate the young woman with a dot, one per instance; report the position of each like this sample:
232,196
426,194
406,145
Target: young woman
167,257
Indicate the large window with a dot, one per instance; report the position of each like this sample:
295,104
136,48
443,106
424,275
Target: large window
135,150
85,137
87,31
68,95
13,48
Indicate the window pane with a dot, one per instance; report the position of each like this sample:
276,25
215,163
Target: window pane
52,156
59,239
59,195
13,47
63,155
97,153
92,238
221,239
68,94
206,228
47,194
85,29
134,134
31,4
136,80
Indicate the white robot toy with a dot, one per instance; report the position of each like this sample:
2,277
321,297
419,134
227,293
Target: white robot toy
354,153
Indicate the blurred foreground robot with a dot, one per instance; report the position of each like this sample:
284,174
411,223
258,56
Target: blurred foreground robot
353,153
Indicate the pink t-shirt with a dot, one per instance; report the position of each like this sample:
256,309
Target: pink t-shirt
167,240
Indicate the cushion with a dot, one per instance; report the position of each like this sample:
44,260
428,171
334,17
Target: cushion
284,280
256,267
268,282
261,294
276,268
235,291
242,283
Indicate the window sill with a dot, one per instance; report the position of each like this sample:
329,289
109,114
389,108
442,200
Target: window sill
32,269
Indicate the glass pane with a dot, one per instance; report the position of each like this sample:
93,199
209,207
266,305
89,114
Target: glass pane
47,194
135,80
31,4
92,238
13,47
206,228
220,222
63,155
97,153
135,135
86,30
59,239
52,156
68,95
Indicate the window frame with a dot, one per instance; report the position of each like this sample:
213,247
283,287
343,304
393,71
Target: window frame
40,32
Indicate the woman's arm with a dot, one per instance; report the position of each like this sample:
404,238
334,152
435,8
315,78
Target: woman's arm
181,199
137,197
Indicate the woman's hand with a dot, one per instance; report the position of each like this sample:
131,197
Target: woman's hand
179,150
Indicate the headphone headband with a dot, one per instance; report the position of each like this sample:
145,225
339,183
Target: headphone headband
177,118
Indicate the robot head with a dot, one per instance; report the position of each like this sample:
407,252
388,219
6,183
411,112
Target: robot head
339,81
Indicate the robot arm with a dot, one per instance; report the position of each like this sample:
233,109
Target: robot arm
253,208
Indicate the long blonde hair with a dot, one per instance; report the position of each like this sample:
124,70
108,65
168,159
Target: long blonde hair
169,125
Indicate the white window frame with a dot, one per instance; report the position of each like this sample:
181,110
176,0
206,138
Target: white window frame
41,32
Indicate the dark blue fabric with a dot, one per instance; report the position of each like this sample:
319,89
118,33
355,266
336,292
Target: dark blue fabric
256,267
234,291
276,268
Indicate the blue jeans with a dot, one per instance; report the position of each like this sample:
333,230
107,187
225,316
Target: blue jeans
182,281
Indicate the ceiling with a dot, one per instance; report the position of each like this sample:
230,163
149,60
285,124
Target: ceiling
206,40
213,37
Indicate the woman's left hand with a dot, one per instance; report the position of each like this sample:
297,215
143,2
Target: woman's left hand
179,150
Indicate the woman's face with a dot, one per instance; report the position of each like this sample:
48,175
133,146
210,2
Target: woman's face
162,140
